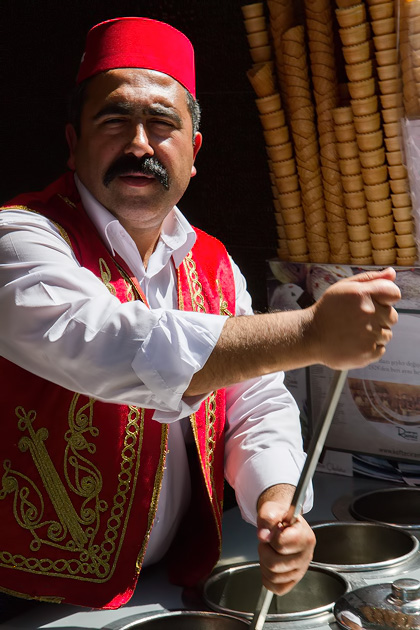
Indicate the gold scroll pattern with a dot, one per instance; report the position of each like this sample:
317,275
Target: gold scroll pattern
73,531
197,301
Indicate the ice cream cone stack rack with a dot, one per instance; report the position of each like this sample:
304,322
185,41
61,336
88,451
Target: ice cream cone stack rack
333,81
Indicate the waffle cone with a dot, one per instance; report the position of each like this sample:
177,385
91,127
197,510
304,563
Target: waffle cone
334,211
317,237
297,246
404,227
313,217
405,240
291,200
295,230
358,232
292,215
402,213
317,6
361,261
287,184
383,240
379,208
268,104
405,261
273,119
317,46
300,258
360,248
407,252
381,224
253,10
331,178
262,79
356,216
283,168
384,256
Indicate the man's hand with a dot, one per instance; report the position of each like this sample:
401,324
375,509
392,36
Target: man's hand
285,552
352,320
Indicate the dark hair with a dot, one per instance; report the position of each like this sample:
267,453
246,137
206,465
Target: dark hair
77,98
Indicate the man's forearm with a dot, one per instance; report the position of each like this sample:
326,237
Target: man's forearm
254,345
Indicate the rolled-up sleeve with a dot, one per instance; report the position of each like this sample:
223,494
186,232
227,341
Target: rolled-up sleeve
60,322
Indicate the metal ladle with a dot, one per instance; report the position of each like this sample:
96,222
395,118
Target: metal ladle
313,454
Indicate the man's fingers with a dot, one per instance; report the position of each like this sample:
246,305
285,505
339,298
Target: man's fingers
387,274
384,292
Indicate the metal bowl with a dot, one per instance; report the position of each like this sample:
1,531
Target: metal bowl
179,620
362,546
235,591
399,507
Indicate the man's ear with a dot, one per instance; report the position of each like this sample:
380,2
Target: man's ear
71,137
198,141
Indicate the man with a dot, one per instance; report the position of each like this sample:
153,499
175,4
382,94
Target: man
129,384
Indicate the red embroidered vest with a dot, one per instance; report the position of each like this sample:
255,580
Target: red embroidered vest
81,478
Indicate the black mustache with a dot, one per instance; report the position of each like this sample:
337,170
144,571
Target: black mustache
148,165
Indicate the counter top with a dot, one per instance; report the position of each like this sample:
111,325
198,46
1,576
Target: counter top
154,592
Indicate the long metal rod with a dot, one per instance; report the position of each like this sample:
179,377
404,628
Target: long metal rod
313,454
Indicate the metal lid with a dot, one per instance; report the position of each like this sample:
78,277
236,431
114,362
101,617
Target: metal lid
381,606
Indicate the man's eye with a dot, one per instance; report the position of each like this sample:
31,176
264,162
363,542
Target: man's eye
163,123
113,121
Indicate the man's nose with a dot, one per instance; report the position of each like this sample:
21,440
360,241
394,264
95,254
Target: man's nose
139,143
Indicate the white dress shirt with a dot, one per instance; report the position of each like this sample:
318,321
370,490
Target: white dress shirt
59,321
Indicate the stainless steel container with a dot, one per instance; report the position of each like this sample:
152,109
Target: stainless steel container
362,546
399,507
179,620
381,607
235,590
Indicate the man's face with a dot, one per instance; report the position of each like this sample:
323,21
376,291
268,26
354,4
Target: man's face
135,152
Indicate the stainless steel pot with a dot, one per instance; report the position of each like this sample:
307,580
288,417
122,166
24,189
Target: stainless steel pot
235,590
381,607
362,546
179,620
399,507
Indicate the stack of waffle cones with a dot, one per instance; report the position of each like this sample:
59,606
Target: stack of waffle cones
282,17
305,139
291,237
392,92
339,183
408,49
320,33
353,186
257,32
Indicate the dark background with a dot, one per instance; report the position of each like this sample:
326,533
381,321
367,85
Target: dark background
41,43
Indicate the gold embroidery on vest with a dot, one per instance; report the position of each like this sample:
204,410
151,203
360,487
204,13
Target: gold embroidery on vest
93,559
223,309
52,484
195,286
155,497
211,442
133,442
46,598
197,300
106,276
67,201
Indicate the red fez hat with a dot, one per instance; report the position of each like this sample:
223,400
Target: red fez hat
134,42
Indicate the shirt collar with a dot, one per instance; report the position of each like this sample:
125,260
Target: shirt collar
177,235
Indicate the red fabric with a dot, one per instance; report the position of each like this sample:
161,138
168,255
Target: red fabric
80,477
133,42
